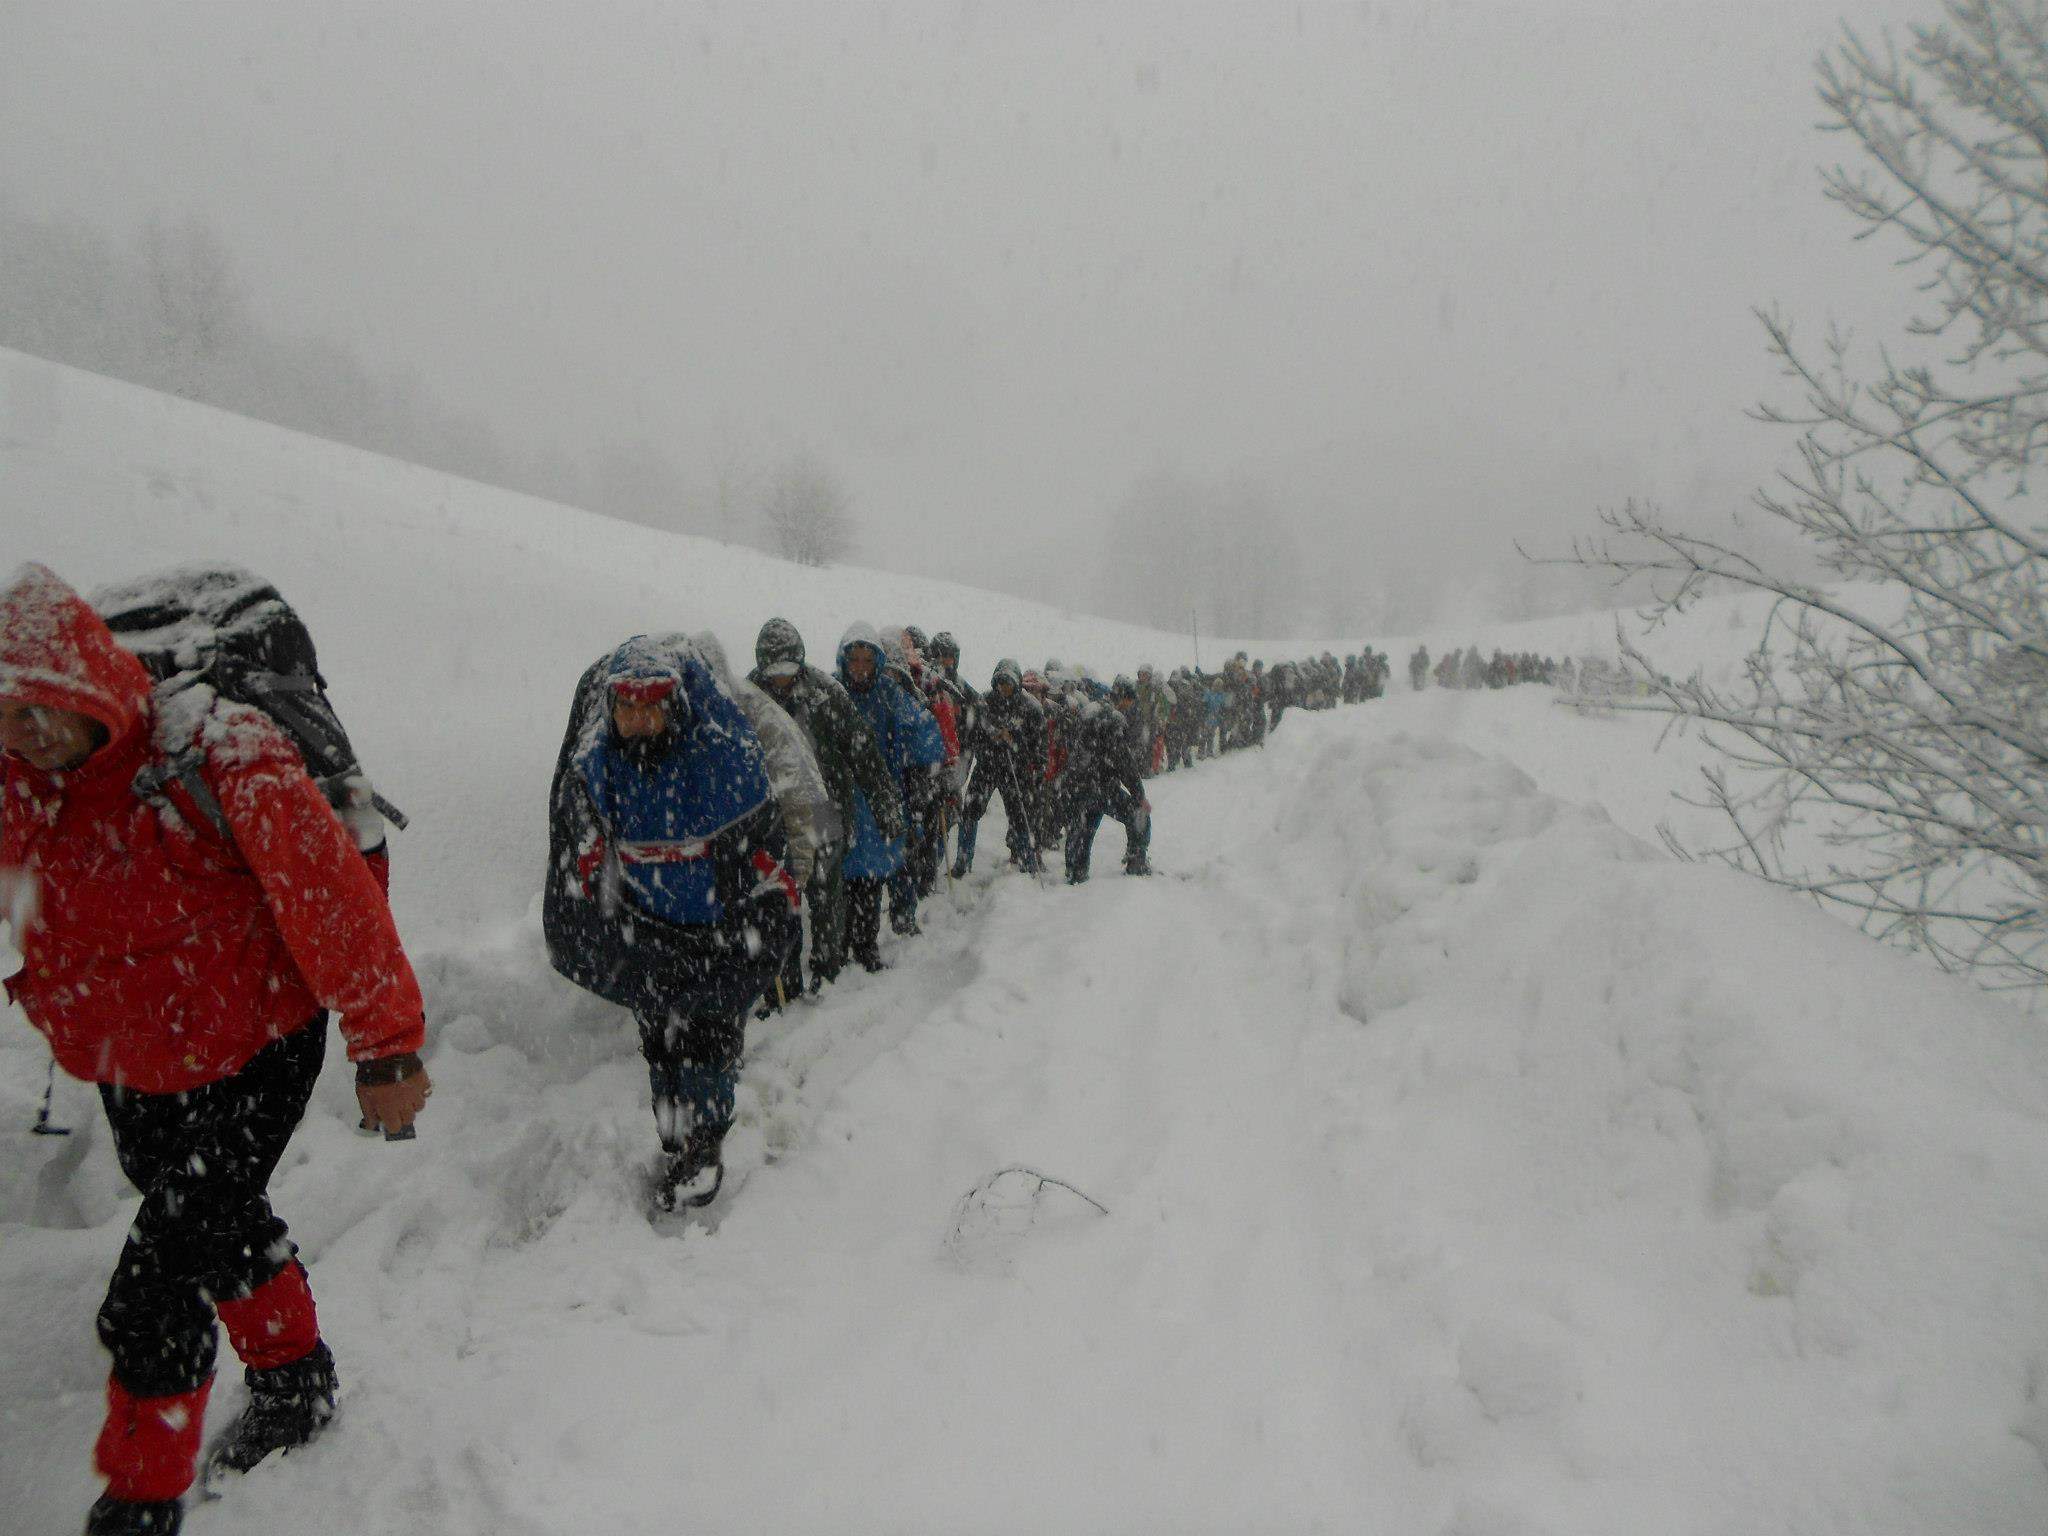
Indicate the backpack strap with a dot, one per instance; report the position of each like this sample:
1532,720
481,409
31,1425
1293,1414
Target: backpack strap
154,781
299,704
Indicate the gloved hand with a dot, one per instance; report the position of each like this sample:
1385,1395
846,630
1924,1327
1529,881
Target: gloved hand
391,1092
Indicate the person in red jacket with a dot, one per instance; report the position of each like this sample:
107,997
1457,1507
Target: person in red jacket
189,975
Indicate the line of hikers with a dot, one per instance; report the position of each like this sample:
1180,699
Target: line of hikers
1469,668
698,818
1188,715
193,865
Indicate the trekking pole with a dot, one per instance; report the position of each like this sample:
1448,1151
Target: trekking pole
43,1127
946,831
1030,844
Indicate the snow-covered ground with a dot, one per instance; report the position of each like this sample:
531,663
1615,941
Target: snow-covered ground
1436,1155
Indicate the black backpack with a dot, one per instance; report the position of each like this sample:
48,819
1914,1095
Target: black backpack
229,629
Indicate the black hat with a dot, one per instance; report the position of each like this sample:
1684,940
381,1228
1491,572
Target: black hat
779,649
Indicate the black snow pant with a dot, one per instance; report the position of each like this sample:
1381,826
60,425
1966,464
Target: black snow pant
693,1068
1055,812
203,1160
924,858
903,899
825,902
1119,804
920,811
864,920
994,775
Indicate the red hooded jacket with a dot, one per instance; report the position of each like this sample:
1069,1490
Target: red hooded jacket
160,957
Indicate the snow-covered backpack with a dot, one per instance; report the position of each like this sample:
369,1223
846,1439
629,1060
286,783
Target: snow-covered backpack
228,629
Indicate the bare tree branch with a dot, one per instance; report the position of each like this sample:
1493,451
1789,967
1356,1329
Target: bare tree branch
1898,722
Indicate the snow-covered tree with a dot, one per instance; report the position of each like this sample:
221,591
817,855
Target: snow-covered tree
1905,720
807,513
197,310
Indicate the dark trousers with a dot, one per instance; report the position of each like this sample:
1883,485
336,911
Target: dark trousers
903,898
864,920
921,821
203,1160
693,1069
825,902
924,853
1088,817
998,776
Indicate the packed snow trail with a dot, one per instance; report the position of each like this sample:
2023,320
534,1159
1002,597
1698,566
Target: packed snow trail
1470,1168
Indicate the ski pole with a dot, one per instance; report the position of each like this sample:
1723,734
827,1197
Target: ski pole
945,832
43,1127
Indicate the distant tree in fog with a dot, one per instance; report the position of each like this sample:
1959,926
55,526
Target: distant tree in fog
1177,551
735,497
167,310
197,310
59,292
634,480
806,513
1149,570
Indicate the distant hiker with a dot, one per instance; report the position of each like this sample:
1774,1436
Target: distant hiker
810,817
1185,729
668,890
923,784
1103,779
911,747
928,791
189,972
1009,760
944,655
1148,721
1282,688
854,775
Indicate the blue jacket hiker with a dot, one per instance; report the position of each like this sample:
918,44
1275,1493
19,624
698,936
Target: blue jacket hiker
909,739
667,888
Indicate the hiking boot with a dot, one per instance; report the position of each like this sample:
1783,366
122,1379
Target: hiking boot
694,1172
870,960
110,1516
288,1405
959,871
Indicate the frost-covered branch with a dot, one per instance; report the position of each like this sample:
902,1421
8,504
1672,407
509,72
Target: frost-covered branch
1886,748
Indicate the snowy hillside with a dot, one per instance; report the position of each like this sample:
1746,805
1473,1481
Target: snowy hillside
1454,1163
453,617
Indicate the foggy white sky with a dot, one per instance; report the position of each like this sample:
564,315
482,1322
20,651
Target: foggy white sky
1438,274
